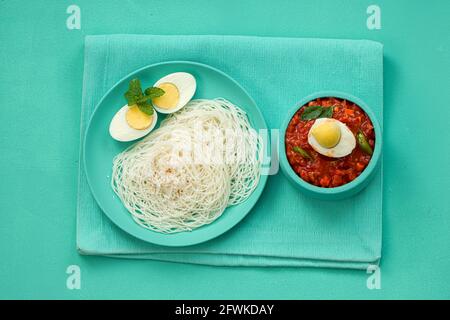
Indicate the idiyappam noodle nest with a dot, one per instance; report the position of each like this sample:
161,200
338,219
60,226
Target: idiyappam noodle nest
183,175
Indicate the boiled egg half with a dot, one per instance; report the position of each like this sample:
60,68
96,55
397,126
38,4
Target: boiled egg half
331,138
179,88
130,123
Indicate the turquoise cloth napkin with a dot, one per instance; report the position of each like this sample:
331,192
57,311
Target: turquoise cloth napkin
285,228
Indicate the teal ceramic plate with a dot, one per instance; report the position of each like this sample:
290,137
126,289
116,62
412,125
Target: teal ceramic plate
100,149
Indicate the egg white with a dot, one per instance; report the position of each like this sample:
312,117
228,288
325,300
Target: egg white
120,130
186,85
343,148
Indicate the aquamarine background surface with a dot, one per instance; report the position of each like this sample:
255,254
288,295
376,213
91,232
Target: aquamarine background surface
41,66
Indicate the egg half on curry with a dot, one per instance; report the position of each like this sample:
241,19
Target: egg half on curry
331,138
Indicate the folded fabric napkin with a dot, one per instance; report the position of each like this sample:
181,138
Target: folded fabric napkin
285,228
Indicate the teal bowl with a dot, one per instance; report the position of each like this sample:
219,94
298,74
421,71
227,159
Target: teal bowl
346,190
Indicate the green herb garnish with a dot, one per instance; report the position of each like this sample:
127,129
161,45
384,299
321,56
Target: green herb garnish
327,112
363,143
314,112
305,154
135,96
154,92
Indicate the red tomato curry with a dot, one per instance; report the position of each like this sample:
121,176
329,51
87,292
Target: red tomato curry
321,170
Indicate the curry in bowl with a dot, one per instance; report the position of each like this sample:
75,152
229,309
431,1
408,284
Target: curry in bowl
329,142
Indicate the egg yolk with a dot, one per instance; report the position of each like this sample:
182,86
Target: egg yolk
170,97
327,134
137,119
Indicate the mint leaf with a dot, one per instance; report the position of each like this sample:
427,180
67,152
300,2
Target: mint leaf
327,112
131,98
146,107
154,92
134,92
151,93
135,96
311,112
143,99
135,87
314,112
